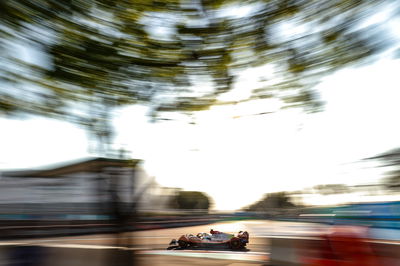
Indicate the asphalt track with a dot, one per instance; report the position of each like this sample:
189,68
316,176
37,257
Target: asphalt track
150,247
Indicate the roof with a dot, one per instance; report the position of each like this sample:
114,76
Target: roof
87,165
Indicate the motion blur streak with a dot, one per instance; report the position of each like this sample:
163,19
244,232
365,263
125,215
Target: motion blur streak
93,56
81,61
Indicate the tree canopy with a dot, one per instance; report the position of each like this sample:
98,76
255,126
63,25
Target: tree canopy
391,158
192,200
276,200
85,57
330,189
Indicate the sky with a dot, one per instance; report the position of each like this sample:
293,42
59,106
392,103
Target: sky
237,160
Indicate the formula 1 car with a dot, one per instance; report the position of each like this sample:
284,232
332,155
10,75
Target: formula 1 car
214,239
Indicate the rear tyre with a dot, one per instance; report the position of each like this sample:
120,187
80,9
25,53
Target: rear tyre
183,244
236,244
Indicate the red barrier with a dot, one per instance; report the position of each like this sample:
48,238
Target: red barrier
343,246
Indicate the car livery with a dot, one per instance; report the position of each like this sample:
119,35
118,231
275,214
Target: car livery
214,238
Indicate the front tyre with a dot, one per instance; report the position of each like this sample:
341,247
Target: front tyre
236,244
183,244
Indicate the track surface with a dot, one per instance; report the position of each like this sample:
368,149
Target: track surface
151,246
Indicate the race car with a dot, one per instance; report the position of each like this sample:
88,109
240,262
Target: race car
213,239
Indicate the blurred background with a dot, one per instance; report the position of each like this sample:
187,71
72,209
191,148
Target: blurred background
125,124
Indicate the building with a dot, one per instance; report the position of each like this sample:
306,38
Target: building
84,189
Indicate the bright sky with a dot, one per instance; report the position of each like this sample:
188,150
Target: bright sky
236,161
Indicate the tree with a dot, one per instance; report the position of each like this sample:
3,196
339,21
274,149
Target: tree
392,182
330,189
391,159
101,54
192,200
277,200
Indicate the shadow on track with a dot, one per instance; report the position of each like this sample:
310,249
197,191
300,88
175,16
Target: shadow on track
208,248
